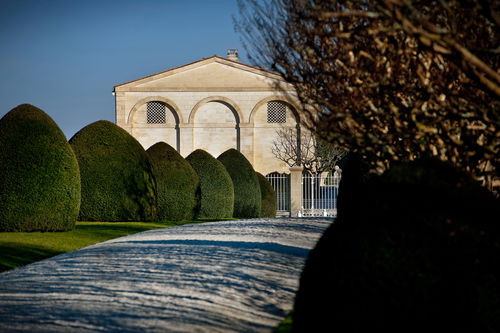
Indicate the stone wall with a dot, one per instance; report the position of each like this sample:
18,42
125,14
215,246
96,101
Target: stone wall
214,104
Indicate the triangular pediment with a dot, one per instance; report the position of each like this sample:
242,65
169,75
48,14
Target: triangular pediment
211,74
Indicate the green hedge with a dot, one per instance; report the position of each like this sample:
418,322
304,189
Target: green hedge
417,249
216,187
268,196
177,183
247,196
117,179
39,177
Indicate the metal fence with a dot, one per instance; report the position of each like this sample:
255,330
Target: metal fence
281,185
319,194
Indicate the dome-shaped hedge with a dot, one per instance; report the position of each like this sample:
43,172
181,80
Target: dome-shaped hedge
177,183
216,187
247,196
117,179
268,196
418,250
39,177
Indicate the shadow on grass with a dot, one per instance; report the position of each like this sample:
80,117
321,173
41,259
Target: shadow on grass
14,255
111,230
22,248
206,219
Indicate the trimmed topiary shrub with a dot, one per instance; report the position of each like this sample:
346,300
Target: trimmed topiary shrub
117,178
247,196
39,177
216,186
417,250
177,183
268,197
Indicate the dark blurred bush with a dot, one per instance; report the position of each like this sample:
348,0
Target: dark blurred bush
414,250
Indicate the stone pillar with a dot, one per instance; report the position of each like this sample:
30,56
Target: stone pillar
186,139
121,115
246,142
295,190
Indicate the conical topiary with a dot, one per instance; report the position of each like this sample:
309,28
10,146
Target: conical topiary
268,196
247,196
117,178
177,183
216,187
39,177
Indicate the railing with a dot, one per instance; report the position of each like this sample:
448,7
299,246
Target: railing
319,194
281,185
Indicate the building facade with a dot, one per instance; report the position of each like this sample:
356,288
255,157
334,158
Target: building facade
212,104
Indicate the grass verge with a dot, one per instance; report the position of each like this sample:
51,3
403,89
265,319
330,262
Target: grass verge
286,325
22,248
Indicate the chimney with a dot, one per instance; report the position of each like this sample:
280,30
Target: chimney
232,54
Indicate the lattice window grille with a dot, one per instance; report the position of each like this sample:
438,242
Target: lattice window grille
156,112
276,112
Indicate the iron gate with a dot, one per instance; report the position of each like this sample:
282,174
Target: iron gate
281,185
319,193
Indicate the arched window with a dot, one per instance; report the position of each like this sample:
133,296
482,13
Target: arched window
156,112
276,112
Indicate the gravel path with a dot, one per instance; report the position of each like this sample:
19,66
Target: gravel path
234,276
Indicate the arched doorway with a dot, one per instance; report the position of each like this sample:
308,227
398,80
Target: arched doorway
216,127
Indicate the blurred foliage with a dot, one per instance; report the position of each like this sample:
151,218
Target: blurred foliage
391,80
414,248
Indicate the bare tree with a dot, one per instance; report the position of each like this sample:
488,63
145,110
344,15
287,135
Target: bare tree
314,155
391,80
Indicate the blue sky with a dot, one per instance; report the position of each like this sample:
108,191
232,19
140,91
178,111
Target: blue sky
65,56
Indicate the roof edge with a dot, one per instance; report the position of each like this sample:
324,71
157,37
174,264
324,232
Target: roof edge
198,61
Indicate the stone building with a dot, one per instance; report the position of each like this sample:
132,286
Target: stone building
214,104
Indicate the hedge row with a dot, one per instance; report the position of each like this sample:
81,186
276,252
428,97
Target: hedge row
117,179
247,195
178,184
216,187
104,174
268,197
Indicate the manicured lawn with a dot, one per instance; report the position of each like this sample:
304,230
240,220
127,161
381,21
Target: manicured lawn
21,248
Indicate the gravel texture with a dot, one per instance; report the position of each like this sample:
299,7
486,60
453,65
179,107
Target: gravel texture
231,276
